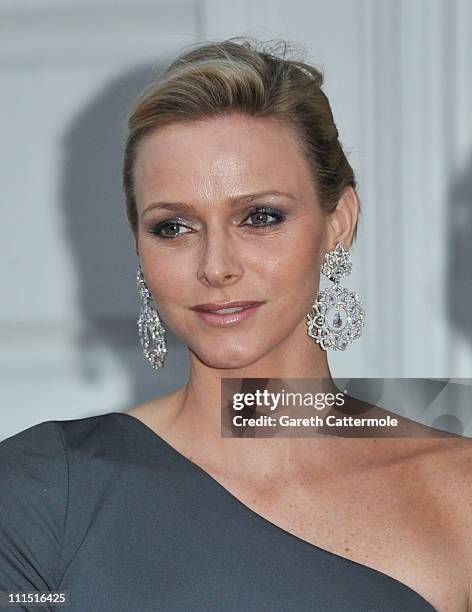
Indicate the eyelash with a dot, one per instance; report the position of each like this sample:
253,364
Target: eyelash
157,229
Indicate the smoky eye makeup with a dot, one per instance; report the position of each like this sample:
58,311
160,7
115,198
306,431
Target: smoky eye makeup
257,218
259,215
170,228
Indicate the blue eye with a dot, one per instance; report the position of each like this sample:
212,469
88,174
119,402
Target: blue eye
261,214
172,228
160,229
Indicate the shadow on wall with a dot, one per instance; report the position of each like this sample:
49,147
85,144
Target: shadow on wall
459,240
97,230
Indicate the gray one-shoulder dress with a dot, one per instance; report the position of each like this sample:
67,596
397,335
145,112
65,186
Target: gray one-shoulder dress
107,511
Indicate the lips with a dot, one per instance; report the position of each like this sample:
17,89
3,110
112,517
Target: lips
225,314
224,307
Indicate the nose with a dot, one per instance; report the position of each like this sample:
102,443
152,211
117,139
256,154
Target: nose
219,264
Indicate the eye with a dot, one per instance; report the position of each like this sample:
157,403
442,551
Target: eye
260,217
169,229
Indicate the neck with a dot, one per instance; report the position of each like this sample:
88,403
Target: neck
198,414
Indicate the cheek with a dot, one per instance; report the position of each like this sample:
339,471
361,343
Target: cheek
171,283
294,261
168,273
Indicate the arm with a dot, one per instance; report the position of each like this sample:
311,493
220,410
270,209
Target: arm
33,506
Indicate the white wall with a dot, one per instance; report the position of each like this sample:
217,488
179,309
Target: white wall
398,76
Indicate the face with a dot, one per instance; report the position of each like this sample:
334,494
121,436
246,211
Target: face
228,212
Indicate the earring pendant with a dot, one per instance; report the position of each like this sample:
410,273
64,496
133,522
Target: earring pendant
152,333
336,317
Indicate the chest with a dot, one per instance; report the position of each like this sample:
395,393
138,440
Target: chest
179,540
399,528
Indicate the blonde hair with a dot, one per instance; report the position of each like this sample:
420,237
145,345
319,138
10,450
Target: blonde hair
234,75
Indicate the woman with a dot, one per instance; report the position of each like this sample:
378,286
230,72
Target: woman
237,187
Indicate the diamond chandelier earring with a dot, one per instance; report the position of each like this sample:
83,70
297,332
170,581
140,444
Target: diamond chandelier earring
152,333
336,317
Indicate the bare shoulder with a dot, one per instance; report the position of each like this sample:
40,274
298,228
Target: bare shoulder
431,481
436,468
447,467
444,464
450,463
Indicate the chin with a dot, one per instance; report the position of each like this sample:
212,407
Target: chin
227,357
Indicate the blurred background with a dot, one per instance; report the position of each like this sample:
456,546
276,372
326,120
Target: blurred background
398,75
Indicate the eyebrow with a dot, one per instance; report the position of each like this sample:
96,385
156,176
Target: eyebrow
233,202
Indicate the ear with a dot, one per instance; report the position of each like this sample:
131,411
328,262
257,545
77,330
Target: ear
342,221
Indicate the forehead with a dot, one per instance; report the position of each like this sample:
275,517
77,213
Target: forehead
219,156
